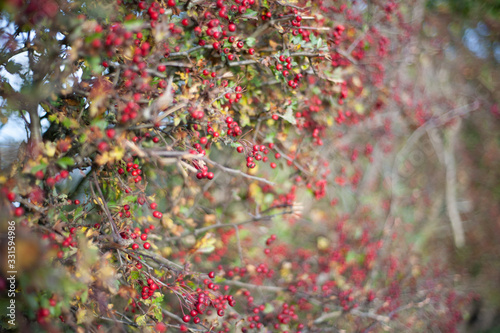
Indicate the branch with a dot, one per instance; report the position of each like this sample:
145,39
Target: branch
4,58
191,50
102,203
172,315
257,61
196,232
451,191
253,286
186,155
117,321
237,172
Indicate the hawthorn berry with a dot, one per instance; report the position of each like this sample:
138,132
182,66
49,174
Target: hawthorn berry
19,211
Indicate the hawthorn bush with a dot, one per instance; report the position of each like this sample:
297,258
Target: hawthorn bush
207,166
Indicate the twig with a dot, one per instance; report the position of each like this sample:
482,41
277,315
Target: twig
172,315
104,207
238,243
118,321
191,50
253,286
232,225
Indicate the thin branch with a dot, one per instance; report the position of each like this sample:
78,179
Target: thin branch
451,191
118,321
172,315
191,50
4,58
261,218
253,286
104,207
238,244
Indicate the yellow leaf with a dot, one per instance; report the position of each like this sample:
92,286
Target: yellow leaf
204,245
273,44
323,243
81,316
183,75
50,149
141,320
116,154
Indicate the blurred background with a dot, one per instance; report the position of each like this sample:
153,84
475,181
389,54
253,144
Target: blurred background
459,58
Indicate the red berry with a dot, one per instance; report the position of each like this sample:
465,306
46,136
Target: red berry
211,275
77,202
110,133
186,318
171,3
147,245
19,211
11,196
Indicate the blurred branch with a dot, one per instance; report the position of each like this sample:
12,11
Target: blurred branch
258,218
253,286
451,190
101,201
6,57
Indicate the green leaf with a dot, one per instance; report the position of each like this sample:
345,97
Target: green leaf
250,41
38,167
319,43
141,320
66,122
250,13
296,40
130,199
101,123
134,275
269,308
244,120
66,161
78,213
157,313
84,296
337,75
288,116
219,279
13,67
133,25
270,137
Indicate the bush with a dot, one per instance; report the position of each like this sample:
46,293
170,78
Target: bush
204,166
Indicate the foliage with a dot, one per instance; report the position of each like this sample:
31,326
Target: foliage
204,168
